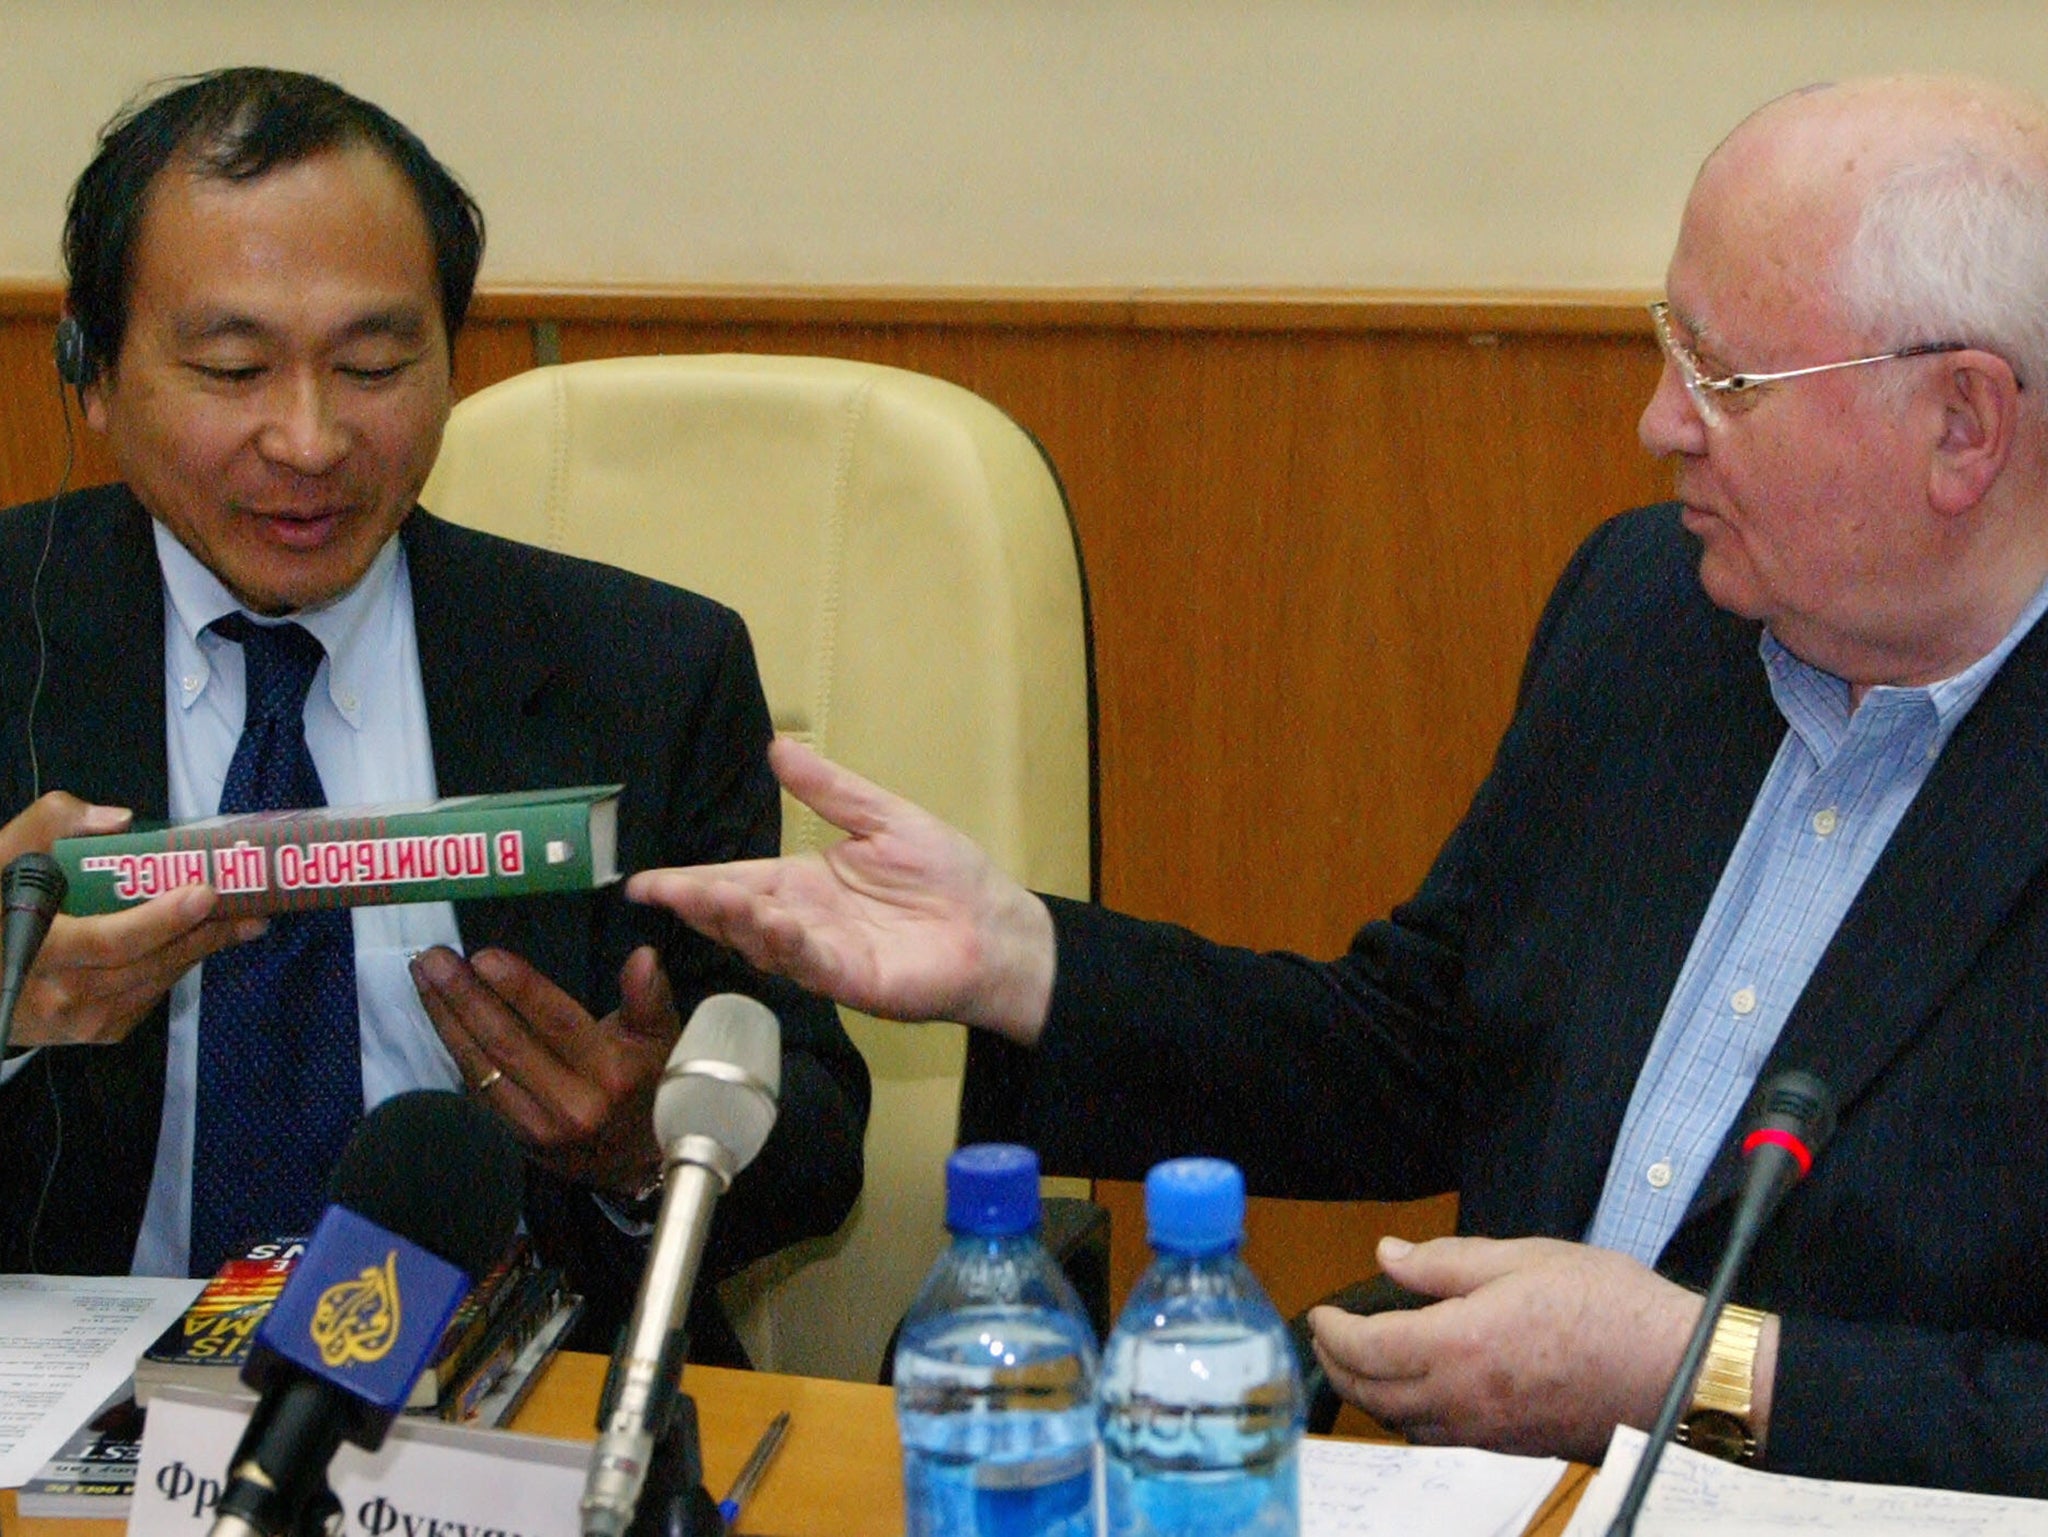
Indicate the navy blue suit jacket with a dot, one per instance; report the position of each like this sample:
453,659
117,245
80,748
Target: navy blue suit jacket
1486,1037
538,670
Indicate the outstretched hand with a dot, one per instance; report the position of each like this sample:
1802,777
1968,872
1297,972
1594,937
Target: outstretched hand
906,917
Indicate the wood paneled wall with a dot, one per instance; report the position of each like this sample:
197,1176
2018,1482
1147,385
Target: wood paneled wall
1318,530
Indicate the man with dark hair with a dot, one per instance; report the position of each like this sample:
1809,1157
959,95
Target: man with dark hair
237,125
1772,798
266,278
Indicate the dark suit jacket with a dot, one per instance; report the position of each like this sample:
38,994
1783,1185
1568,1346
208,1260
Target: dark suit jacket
539,670
1487,1037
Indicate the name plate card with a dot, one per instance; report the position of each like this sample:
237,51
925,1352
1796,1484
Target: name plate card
428,1480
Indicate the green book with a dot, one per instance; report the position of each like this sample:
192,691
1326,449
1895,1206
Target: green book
522,843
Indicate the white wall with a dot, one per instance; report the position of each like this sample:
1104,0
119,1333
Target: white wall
1404,143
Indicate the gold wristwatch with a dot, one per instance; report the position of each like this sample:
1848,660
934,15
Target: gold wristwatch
1718,1423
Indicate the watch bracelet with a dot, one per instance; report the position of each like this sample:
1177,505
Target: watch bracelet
1726,1387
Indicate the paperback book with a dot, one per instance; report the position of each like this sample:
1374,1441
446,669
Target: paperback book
206,1347
523,843
93,1473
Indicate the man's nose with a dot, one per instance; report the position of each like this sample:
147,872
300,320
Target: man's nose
302,431
1671,423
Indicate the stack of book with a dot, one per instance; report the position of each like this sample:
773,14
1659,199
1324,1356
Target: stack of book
493,1347
490,1355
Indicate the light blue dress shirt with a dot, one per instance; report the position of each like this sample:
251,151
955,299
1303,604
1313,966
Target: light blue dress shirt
366,726
1842,780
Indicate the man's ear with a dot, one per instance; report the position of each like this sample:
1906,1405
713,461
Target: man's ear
1980,405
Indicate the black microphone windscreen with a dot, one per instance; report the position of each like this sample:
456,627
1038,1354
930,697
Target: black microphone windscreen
466,1216
33,880
1797,1103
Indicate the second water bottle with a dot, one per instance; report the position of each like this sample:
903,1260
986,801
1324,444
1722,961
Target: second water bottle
1201,1392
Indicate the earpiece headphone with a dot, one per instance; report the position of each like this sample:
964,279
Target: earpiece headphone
74,369
74,358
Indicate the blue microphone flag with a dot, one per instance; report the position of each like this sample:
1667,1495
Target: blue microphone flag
364,1310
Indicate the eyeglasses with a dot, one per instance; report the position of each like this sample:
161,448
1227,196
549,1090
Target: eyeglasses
1709,390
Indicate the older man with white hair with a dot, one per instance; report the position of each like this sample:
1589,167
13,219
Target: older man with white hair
1775,794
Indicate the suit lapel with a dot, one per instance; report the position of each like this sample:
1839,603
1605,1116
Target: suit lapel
490,678
484,660
1689,808
1972,840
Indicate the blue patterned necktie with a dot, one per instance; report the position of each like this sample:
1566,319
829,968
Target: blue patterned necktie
280,1057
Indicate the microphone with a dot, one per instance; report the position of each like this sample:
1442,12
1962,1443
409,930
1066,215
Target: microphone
425,1198
712,1113
32,889
1793,1116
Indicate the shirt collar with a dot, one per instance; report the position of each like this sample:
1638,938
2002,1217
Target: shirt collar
1816,703
196,597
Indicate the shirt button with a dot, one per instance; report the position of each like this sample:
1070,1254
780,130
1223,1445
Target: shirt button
190,682
347,701
1824,821
1743,1000
1658,1174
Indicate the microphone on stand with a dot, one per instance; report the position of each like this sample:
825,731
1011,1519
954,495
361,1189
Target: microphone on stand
1793,1119
32,889
425,1199
712,1113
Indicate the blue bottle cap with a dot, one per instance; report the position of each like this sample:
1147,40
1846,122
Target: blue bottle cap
1194,1206
992,1190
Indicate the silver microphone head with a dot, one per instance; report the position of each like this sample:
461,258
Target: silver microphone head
722,1080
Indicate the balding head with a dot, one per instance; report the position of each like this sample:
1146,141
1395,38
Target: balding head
1918,205
1889,521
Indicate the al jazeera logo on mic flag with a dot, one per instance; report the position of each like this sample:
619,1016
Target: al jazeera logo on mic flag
359,1320
372,1309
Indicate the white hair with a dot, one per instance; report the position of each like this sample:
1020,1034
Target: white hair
1954,248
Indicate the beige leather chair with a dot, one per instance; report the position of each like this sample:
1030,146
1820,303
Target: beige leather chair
901,552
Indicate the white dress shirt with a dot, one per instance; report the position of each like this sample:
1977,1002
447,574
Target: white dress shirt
366,726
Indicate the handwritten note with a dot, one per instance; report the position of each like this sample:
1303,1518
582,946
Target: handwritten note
1694,1495
1366,1489
66,1343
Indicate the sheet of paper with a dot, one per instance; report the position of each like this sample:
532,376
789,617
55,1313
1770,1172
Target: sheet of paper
1694,1495
1367,1489
66,1343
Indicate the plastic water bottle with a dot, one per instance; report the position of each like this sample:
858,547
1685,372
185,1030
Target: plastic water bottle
995,1369
1201,1393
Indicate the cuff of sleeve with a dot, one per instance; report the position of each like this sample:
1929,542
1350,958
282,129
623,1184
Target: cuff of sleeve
1102,1084
1081,984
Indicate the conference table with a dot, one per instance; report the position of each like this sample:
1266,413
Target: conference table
839,1474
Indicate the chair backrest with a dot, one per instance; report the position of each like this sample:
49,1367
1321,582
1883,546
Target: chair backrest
901,552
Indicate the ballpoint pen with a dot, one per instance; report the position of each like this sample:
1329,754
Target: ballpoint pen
757,1463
